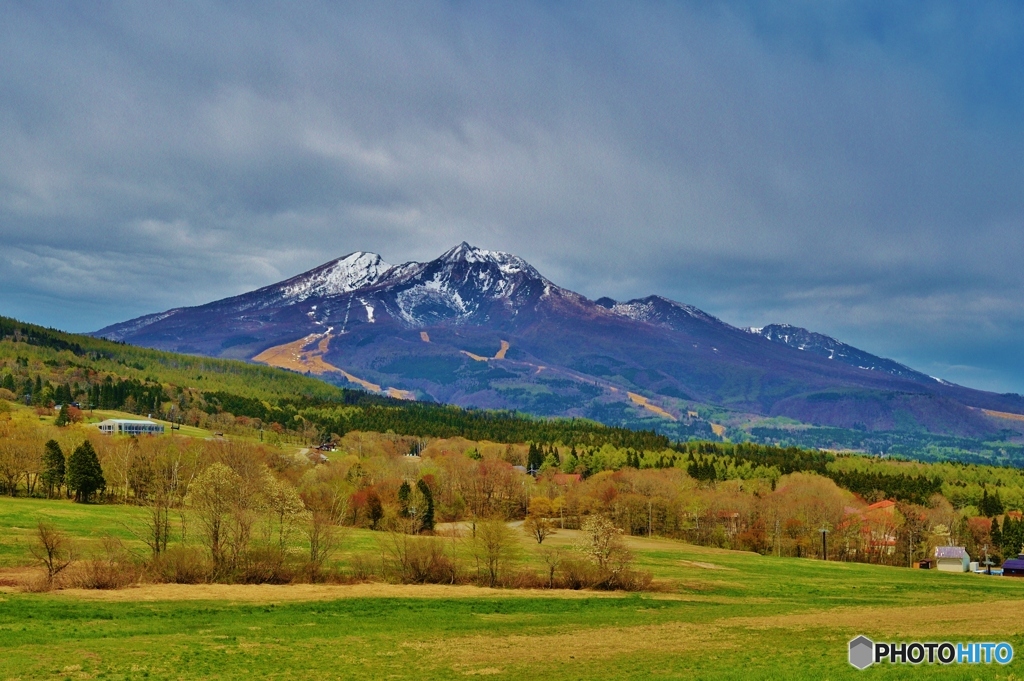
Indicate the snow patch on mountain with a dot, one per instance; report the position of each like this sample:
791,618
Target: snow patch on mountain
656,310
121,331
369,310
825,346
355,271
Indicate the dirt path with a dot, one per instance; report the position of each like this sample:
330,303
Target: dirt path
298,356
500,354
646,404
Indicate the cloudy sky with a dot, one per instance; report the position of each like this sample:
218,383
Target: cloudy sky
854,168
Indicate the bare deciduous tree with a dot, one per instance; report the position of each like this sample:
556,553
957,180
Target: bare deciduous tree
323,534
212,497
54,550
285,506
552,558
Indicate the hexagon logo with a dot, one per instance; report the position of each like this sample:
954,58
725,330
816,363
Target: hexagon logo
862,652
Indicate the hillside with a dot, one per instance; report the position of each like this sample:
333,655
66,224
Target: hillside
43,366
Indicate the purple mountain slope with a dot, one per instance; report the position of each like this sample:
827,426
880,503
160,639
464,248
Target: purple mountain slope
482,328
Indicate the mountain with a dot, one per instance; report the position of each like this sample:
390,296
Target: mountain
830,348
486,329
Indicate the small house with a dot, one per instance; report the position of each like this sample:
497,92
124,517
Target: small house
1014,567
952,559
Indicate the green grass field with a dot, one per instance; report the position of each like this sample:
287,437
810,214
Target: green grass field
726,615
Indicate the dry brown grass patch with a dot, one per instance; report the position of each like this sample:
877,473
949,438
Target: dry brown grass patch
268,593
574,646
997,618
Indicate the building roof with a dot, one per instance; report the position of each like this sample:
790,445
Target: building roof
950,552
127,421
1014,563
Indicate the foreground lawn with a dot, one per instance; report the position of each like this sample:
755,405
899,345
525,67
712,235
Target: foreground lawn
724,615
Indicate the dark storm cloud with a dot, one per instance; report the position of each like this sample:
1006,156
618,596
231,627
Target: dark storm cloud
848,167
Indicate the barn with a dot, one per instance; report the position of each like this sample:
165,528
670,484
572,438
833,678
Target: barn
1014,567
952,559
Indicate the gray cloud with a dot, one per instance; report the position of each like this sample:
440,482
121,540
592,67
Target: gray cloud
852,168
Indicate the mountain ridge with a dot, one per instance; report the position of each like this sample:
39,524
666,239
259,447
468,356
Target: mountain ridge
560,352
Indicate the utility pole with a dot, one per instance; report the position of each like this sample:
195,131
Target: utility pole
910,548
824,543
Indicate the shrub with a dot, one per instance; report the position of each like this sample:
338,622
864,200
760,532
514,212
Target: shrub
578,574
364,566
115,569
418,560
264,565
181,565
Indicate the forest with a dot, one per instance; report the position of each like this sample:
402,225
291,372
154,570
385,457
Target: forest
340,458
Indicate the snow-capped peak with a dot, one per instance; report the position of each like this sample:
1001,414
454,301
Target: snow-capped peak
354,271
507,263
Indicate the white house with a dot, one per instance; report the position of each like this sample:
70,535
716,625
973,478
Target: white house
952,559
130,427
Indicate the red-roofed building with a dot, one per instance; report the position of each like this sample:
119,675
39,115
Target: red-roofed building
566,479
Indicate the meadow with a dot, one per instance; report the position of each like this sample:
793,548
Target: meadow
716,614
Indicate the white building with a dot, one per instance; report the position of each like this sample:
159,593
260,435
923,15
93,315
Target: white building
952,559
130,427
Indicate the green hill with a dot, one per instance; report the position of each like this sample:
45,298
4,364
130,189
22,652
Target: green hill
43,366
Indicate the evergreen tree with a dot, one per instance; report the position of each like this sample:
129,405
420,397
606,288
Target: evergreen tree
997,536
990,506
374,509
1013,536
427,518
534,459
8,382
53,467
403,497
84,474
1016,538
63,418
995,504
